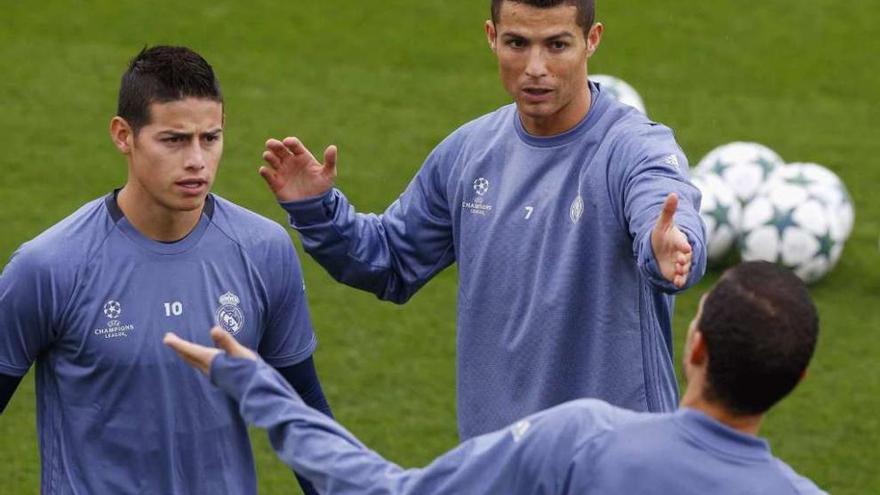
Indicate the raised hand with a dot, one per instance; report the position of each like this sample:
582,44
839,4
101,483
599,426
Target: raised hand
672,250
292,173
200,357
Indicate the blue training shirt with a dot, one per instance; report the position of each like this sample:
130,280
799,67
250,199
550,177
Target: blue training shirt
91,298
559,294
579,448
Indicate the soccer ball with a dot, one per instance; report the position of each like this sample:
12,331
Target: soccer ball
787,224
743,166
721,213
620,90
824,186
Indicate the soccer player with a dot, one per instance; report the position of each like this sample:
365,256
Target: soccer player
570,217
90,298
747,348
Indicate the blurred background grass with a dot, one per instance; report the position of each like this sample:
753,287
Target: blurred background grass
386,81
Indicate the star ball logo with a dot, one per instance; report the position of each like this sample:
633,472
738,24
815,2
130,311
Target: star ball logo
115,328
112,309
481,186
479,206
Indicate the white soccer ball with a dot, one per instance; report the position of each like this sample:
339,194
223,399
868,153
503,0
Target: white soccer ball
823,185
721,213
620,90
788,225
745,167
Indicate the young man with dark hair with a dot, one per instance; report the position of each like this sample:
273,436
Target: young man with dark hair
570,216
90,298
747,347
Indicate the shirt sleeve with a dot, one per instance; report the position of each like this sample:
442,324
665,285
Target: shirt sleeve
289,337
31,299
529,457
393,254
652,165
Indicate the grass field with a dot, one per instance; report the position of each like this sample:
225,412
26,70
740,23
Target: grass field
386,81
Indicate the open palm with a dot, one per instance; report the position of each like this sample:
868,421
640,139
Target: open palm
293,173
672,250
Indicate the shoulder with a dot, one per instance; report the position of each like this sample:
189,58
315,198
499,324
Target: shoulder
800,484
636,143
633,132
63,247
488,126
248,229
593,416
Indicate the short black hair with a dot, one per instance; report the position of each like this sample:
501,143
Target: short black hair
760,327
162,74
586,9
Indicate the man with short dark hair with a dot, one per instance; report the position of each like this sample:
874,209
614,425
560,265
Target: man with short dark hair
90,298
748,346
570,217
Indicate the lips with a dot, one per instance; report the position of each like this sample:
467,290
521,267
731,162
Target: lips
536,93
193,186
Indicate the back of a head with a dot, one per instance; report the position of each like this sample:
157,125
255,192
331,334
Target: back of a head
586,9
760,327
161,74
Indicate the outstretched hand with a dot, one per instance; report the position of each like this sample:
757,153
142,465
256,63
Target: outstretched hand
293,173
200,357
672,250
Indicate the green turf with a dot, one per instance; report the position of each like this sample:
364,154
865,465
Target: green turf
386,81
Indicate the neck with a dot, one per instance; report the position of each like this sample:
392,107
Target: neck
153,220
749,424
563,120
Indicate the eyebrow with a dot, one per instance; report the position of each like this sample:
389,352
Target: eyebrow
179,134
514,34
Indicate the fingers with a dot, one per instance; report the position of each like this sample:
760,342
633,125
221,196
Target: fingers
228,343
330,155
682,269
277,149
295,146
272,158
667,216
196,355
270,175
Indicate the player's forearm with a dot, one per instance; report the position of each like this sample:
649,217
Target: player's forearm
310,443
391,255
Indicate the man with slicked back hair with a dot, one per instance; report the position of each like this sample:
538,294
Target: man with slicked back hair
89,299
570,216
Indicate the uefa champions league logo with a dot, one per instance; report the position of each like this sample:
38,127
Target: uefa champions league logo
481,186
112,309
229,315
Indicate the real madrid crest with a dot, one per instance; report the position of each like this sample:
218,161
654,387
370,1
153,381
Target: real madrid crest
229,315
576,209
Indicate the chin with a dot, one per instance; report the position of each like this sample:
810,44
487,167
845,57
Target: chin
189,204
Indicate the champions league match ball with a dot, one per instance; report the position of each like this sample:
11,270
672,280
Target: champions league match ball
620,90
824,186
745,167
787,224
721,214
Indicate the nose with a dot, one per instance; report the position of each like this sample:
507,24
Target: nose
195,158
536,65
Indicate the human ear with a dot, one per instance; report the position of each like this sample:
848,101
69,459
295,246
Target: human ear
594,37
697,354
491,34
122,134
